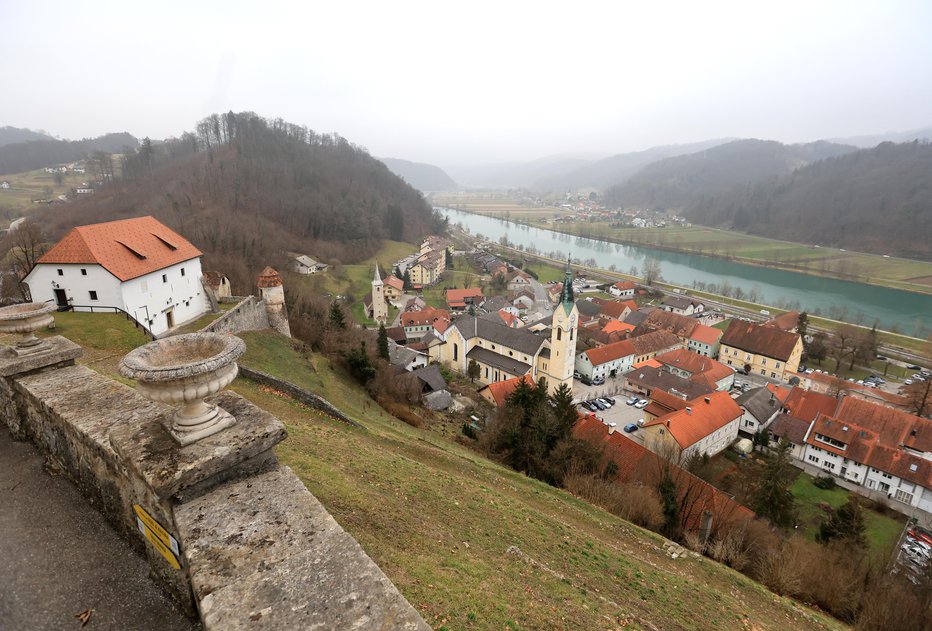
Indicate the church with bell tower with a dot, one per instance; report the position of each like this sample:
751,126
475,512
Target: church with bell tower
558,368
379,306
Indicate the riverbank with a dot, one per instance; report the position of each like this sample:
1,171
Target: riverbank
907,348
859,267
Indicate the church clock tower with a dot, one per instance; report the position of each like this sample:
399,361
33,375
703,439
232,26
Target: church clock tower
379,306
563,337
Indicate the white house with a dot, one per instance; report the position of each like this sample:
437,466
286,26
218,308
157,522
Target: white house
623,289
4,184
606,361
759,407
136,265
303,264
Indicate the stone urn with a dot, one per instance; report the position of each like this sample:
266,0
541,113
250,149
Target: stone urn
185,369
27,318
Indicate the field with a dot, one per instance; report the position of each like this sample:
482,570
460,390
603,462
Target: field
883,531
26,187
497,205
867,268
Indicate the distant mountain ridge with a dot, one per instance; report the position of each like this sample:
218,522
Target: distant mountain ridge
618,168
10,135
424,177
869,141
683,181
36,154
874,200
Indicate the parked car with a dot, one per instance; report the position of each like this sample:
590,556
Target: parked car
908,382
641,404
632,400
914,367
607,402
599,404
610,400
585,380
598,381
631,427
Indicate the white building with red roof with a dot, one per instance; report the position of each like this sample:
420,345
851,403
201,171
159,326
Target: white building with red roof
137,265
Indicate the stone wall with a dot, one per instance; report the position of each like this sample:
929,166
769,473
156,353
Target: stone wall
249,314
305,397
254,548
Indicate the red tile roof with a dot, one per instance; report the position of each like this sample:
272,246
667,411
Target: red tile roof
501,390
660,320
706,334
785,321
880,437
696,365
128,248
761,340
639,465
704,416
269,278
617,326
807,405
615,308
654,342
609,352
624,285
428,315
395,282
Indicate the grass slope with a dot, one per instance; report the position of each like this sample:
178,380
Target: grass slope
440,521
882,531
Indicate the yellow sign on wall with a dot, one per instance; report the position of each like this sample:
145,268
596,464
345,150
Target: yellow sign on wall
160,538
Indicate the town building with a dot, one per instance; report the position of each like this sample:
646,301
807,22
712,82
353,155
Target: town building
705,340
138,266
708,425
698,368
762,350
759,408
683,305
462,299
303,264
622,289
605,362
393,288
417,324
650,345
503,352
379,306
218,284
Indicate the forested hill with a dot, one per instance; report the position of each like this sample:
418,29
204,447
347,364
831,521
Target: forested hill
875,200
246,190
10,135
36,154
677,183
424,177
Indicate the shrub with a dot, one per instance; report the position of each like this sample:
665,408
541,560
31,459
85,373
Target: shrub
826,482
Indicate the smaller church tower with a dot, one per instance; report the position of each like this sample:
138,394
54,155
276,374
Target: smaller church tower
379,306
273,294
563,336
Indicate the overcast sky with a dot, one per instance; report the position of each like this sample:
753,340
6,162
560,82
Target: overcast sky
460,82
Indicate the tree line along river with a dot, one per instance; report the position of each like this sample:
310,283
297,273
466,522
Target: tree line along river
893,309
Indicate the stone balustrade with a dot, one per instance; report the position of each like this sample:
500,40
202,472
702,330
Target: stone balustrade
232,534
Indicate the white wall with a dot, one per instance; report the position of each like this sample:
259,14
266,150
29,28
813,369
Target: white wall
44,279
717,441
146,298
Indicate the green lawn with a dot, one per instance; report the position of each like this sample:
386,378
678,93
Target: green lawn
545,273
883,531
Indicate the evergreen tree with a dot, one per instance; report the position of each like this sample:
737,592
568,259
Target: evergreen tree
407,280
473,370
845,524
383,342
337,319
448,258
359,364
802,326
772,497
669,505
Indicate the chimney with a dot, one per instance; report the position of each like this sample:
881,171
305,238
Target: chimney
611,429
689,410
708,401
668,422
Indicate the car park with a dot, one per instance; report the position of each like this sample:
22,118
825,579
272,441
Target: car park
641,404
632,400
607,402
599,404
631,427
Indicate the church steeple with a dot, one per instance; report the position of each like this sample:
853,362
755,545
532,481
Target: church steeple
567,299
379,305
377,278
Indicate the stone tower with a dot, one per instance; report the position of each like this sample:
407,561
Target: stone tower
379,306
273,294
563,337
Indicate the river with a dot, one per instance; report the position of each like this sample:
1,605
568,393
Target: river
893,309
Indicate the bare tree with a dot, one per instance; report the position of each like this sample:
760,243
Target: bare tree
650,271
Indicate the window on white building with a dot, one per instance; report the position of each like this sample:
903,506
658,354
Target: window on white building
83,272
883,486
182,271
812,458
164,278
61,272
93,295
903,496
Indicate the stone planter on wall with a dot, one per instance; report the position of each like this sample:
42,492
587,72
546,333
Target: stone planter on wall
185,369
27,318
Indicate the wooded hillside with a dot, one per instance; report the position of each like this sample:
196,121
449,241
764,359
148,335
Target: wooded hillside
246,190
36,154
875,200
10,135
423,177
679,183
